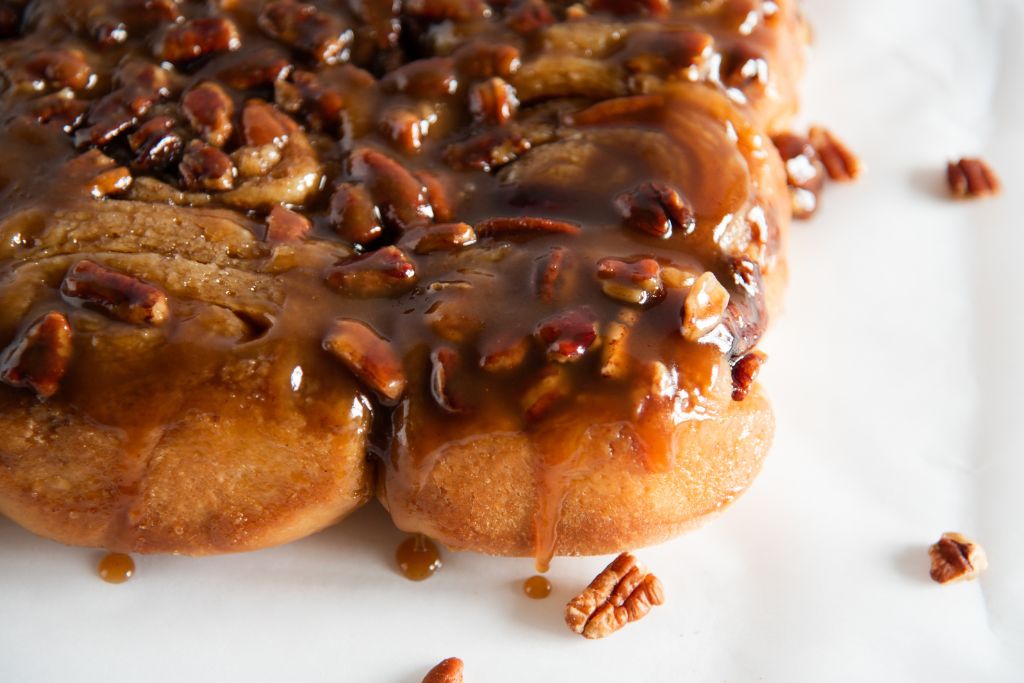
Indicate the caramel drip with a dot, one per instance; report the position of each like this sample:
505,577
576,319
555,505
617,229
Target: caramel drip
418,558
116,567
537,587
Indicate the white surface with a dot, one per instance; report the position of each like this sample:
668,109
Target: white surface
896,377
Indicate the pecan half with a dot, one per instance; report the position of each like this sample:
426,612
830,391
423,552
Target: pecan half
439,193
743,66
354,216
209,110
431,78
550,275
567,336
385,272
448,671
528,16
39,357
204,167
615,352
624,592
956,558
703,307
62,108
263,124
306,28
478,60
121,296
406,127
805,173
253,162
98,174
400,196
840,162
633,282
643,8
61,68
493,101
656,209
526,226
746,316
972,178
503,354
442,237
551,388
444,363
744,373
285,225
156,144
489,150
192,39
368,356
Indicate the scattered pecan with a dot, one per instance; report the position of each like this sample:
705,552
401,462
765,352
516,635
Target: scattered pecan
143,76
439,195
204,167
354,216
195,38
156,144
442,237
98,173
744,373
368,356
322,105
444,363
956,558
122,296
622,593
285,225
398,194
615,352
263,124
704,306
431,78
567,336
551,388
805,173
743,66
633,282
254,162
39,357
441,10
528,16
114,114
448,671
643,8
255,70
61,68
493,101
972,178
478,60
488,150
62,108
503,354
384,272
656,209
209,111
841,163
525,225
318,34
405,127
550,275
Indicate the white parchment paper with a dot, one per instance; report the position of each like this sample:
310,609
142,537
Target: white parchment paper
897,377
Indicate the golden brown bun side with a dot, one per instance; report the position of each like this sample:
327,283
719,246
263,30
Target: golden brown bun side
482,493
208,483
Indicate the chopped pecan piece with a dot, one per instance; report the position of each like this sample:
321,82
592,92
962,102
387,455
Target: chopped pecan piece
669,54
209,110
567,336
674,277
704,306
431,78
405,127
100,174
615,352
744,373
448,671
478,60
622,593
61,68
493,101
39,357
443,237
656,209
306,28
526,225
956,558
528,16
441,10
550,274
488,150
972,178
257,70
444,363
385,272
643,8
354,216
550,389
62,108
439,195
368,356
263,124
204,167
253,162
744,66
285,225
122,296
192,39
840,162
398,194
156,144
805,173
633,282
504,355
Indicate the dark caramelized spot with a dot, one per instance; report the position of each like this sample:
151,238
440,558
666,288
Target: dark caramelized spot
418,558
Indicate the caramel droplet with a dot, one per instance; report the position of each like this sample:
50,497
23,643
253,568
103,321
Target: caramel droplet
418,558
116,568
537,587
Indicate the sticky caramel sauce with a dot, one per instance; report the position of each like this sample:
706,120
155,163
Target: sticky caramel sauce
418,558
537,587
116,567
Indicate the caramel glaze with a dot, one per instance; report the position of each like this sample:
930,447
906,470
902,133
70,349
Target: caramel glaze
695,125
